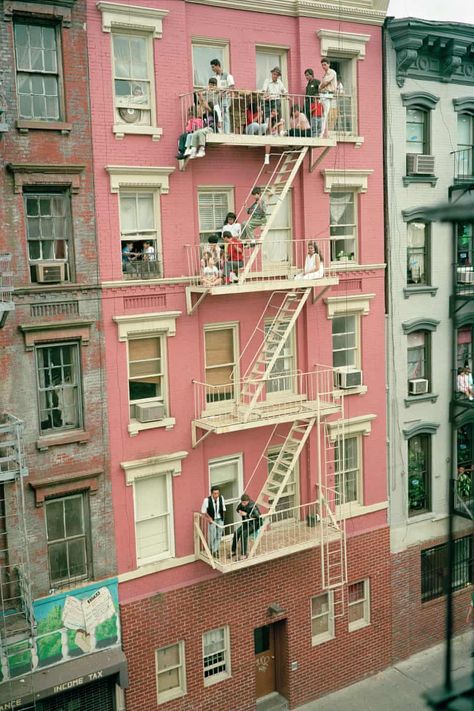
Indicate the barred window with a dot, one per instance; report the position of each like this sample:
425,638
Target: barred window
216,662
434,568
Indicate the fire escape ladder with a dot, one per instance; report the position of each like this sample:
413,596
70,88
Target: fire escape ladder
273,193
275,337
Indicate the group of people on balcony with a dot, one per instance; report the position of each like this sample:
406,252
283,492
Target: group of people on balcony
214,507
223,109
464,382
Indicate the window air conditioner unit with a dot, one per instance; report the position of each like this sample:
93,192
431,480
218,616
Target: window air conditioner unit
418,164
418,386
348,378
50,272
150,412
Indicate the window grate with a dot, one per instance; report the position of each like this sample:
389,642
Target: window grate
434,568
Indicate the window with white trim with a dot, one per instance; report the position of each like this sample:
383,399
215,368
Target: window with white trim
346,341
68,537
203,51
59,387
154,530
343,228
227,474
358,604
38,70
48,234
133,78
216,655
322,618
347,470
220,362
283,378
146,375
140,243
213,206
170,672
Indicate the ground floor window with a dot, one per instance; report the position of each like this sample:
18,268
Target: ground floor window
434,568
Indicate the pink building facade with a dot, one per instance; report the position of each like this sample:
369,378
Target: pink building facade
189,406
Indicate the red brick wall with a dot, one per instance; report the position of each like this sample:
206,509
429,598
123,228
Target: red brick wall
240,600
418,625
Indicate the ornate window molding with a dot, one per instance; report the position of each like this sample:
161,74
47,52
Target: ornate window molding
416,214
347,178
38,174
341,305
361,425
347,43
420,324
464,104
132,17
147,324
418,428
34,333
420,100
464,320
65,484
152,466
123,176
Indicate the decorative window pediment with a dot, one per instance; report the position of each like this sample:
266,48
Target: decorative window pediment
341,305
38,174
152,466
349,44
420,100
132,17
145,324
416,214
464,104
346,179
419,324
351,427
123,176
418,428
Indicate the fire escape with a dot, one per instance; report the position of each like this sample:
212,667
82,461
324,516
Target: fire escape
6,288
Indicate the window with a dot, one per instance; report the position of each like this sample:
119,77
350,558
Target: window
289,495
419,474
203,52
139,235
465,147
283,378
48,233
146,373
359,605
68,537
417,253
266,58
216,656
464,246
132,78
170,672
343,225
418,366
220,344
213,206
227,474
345,341
153,518
434,568
464,347
464,447
342,112
59,387
347,473
276,249
322,618
37,55
417,131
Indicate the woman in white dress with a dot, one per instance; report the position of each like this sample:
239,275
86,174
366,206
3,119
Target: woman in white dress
313,266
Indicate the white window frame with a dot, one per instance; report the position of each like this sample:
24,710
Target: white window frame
281,52
163,374
357,347
225,189
154,235
331,631
211,43
122,19
234,326
209,681
355,233
222,461
365,620
358,501
292,356
147,326
120,125
170,553
179,691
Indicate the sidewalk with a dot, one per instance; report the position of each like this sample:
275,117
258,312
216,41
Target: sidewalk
399,688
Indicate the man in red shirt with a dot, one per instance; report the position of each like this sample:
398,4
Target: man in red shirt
234,256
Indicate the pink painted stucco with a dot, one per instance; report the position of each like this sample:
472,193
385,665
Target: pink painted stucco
236,167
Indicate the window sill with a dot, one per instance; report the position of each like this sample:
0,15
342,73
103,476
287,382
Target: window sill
352,510
358,390
357,140
56,440
412,400
135,427
321,639
210,681
420,518
409,179
121,130
359,625
25,125
167,696
414,290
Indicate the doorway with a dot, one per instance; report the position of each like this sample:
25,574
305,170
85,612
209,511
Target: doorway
265,666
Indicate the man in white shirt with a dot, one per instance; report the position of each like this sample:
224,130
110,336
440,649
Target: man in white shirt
213,507
327,89
225,81
273,89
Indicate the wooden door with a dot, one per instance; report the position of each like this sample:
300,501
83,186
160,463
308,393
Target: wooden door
264,644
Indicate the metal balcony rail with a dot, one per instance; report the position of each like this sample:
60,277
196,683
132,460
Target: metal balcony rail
277,259
285,392
12,458
142,270
463,160
254,113
464,279
285,531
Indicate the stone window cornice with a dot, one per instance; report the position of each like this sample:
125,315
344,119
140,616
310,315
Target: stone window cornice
35,333
132,17
341,179
53,10
61,484
341,305
351,427
420,100
418,428
39,174
122,176
348,44
147,324
164,464
420,324
464,104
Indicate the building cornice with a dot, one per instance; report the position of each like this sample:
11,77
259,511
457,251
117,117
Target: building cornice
368,12
437,51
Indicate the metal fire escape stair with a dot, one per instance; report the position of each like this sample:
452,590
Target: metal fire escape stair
275,337
273,194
